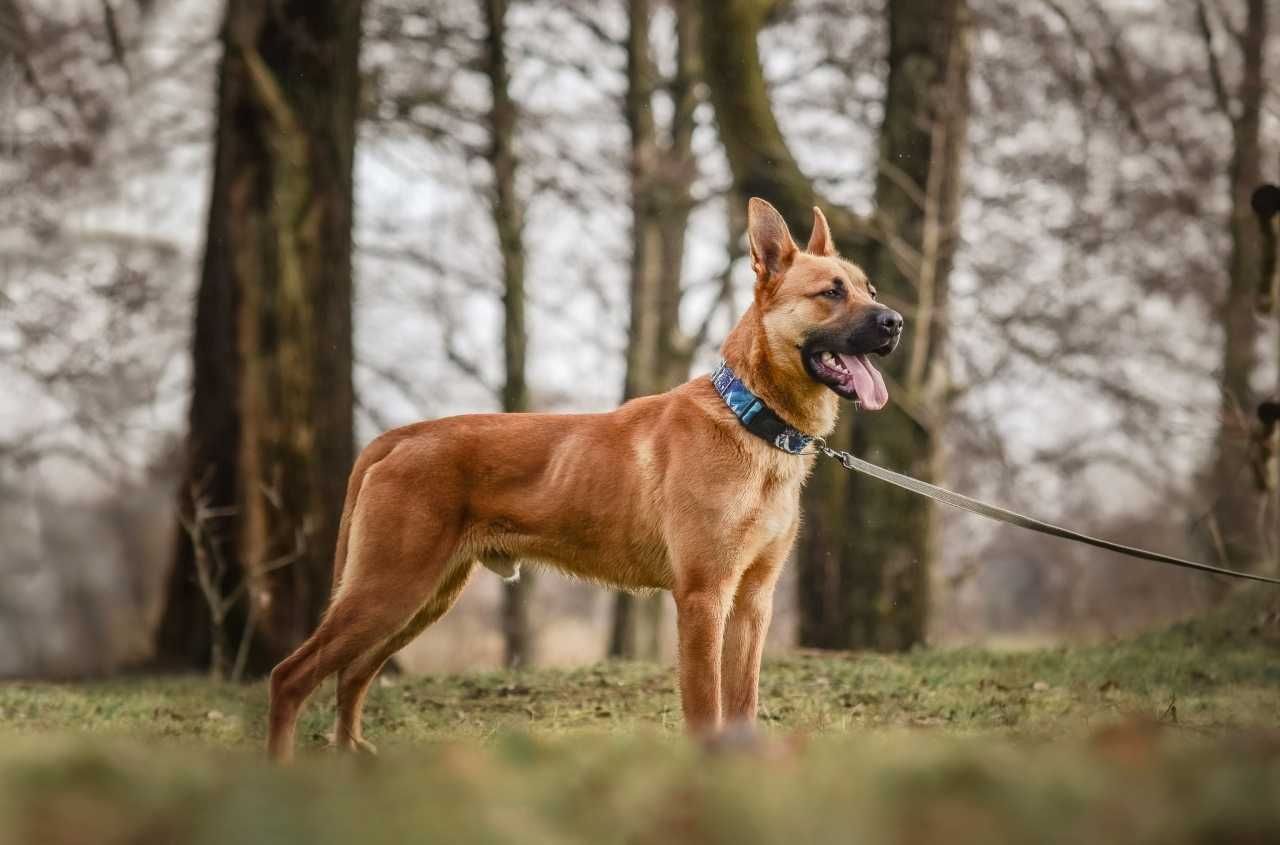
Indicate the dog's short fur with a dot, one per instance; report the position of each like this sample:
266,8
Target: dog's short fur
668,492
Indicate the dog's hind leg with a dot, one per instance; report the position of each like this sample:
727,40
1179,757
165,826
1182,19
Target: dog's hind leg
354,680
362,616
397,558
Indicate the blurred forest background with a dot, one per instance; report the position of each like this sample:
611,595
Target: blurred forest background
238,240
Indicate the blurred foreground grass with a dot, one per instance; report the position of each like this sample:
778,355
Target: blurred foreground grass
1170,737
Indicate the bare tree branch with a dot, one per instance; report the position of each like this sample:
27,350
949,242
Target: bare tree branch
1221,95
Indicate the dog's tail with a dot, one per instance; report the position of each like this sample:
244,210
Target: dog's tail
372,454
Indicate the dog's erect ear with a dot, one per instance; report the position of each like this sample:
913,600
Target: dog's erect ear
820,241
771,246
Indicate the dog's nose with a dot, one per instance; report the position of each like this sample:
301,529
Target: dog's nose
890,322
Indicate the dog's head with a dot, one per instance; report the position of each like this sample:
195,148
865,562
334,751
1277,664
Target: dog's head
819,309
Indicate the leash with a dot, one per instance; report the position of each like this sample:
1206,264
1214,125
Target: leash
964,503
759,419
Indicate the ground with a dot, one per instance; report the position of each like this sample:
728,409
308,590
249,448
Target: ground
1170,737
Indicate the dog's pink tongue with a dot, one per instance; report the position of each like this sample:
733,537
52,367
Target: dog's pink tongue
867,382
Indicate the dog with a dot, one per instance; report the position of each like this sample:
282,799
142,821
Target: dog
670,492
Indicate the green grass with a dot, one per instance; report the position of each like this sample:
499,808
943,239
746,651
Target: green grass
1166,738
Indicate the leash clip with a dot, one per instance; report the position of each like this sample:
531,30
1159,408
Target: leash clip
845,459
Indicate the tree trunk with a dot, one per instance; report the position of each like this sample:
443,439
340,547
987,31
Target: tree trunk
270,440
759,157
508,220
661,177
865,549
1236,503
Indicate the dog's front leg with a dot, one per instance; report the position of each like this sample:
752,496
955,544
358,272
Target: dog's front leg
700,621
743,648
745,634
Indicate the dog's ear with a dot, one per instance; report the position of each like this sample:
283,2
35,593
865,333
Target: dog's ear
772,249
820,242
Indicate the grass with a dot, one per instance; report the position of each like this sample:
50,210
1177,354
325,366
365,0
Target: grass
1166,738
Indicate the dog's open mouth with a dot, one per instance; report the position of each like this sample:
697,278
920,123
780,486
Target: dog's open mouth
851,376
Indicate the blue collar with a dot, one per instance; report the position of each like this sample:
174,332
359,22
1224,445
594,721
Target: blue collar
757,417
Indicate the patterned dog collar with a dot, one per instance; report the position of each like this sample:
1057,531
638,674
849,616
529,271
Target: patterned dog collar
757,417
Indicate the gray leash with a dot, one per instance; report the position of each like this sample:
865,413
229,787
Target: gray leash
955,500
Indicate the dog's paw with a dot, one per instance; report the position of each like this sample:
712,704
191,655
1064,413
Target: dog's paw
747,739
351,744
739,737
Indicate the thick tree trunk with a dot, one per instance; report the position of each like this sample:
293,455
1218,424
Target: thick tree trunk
661,177
885,537
508,220
1236,501
865,550
271,440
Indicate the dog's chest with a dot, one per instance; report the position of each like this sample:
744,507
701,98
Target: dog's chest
766,500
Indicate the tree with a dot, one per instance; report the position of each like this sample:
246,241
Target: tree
865,551
508,219
662,173
270,437
1235,511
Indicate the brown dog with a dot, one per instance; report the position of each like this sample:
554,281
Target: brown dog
667,492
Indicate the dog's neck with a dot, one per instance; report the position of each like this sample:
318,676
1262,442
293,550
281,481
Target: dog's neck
778,377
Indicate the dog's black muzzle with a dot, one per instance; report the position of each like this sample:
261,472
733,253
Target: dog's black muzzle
875,331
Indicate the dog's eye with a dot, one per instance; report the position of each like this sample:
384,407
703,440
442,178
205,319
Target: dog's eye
836,292
871,290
